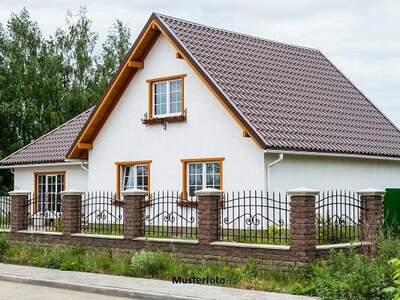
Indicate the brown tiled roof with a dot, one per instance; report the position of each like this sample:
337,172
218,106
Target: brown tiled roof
293,97
51,147
290,97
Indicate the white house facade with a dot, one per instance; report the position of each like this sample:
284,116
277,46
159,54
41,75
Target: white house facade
182,115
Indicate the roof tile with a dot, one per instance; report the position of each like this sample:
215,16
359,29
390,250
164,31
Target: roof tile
51,147
294,97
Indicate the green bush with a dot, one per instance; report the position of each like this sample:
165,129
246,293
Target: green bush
147,263
352,275
4,244
394,291
341,276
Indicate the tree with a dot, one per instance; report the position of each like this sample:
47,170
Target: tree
45,82
115,48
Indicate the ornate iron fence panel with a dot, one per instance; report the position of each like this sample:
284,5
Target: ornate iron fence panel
338,217
44,213
5,211
251,217
168,215
101,213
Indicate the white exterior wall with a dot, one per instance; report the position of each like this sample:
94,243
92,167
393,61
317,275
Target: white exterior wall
75,177
327,173
209,132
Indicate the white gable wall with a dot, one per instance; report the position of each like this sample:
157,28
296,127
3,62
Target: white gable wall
209,132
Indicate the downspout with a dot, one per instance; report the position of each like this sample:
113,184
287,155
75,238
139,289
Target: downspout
84,167
269,166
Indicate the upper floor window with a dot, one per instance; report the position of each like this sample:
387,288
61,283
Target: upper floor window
166,96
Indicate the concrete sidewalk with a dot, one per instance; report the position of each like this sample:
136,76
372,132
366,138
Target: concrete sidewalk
120,286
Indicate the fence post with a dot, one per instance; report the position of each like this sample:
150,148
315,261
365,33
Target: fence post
302,223
19,200
371,216
72,207
208,216
134,210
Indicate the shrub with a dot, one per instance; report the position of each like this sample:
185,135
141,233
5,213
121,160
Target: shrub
147,263
4,244
394,291
348,276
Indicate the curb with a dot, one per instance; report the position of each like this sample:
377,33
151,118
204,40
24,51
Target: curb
94,289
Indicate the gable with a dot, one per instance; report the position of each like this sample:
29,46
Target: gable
134,61
285,97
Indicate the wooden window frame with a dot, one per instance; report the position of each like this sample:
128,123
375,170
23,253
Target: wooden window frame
150,83
119,164
186,161
35,183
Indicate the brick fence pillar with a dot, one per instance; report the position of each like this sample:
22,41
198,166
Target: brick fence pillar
72,207
208,217
19,199
371,216
302,223
134,210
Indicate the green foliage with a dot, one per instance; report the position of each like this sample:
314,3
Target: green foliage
394,291
4,244
352,275
147,263
45,81
341,276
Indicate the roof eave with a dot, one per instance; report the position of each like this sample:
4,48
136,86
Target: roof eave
331,154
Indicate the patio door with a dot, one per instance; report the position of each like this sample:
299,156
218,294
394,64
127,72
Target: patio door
49,187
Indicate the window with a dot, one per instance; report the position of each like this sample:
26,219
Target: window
48,188
201,173
133,175
166,96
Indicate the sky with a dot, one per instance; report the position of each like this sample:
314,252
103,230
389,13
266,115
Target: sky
361,37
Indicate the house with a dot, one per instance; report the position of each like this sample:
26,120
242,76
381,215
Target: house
194,106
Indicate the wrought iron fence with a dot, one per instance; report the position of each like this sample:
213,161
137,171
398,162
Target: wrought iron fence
44,213
5,211
338,217
168,215
101,213
251,217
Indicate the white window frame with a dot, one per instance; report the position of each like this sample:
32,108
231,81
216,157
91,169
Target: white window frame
50,197
204,174
135,166
168,98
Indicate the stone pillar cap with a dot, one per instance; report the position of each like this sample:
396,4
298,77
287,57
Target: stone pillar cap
71,193
19,193
209,192
303,191
134,192
371,192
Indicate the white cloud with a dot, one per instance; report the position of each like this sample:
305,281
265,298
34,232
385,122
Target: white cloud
359,36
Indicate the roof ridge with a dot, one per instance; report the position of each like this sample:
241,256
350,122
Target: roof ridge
46,134
240,33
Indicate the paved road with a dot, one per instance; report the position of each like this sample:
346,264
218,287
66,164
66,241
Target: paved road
21,291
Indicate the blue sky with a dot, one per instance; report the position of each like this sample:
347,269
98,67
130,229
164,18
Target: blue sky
360,36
